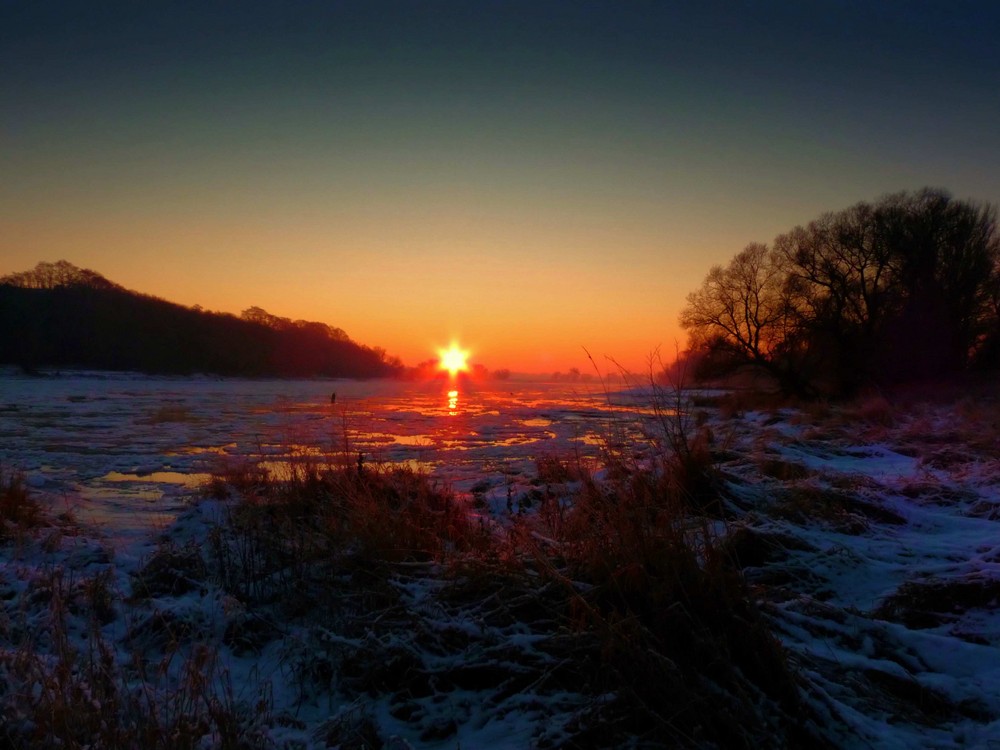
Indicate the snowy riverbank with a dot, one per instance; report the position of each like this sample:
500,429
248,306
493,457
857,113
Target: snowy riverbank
867,533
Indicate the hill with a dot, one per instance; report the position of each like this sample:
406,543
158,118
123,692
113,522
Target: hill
58,315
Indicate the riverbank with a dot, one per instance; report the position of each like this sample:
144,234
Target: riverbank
841,587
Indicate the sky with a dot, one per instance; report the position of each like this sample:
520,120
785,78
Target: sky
535,180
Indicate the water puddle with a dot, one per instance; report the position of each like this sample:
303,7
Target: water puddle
164,477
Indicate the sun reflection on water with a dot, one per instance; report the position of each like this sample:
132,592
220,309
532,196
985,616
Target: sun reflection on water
115,462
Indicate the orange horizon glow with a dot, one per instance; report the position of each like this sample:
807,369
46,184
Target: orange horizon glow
453,359
534,193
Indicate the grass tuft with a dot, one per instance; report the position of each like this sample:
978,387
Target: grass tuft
19,512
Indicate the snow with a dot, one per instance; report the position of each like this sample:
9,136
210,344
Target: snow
831,618
875,508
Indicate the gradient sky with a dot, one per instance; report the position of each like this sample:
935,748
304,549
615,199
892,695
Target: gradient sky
530,178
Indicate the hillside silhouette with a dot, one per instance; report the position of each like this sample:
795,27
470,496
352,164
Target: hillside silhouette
58,315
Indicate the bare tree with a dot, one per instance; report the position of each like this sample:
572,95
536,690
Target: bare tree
894,289
744,307
841,284
947,254
839,269
59,274
900,288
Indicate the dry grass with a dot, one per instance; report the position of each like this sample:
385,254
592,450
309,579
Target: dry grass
58,690
625,570
57,693
927,603
282,536
19,512
811,502
874,409
680,637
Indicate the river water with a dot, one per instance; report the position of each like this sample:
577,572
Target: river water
129,451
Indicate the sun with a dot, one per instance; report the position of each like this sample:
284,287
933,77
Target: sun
454,359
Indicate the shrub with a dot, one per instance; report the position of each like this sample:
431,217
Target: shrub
280,529
18,510
682,642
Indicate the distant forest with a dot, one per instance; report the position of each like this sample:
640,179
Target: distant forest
61,316
906,288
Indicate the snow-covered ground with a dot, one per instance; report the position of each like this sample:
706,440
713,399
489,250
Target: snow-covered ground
871,541
881,564
121,460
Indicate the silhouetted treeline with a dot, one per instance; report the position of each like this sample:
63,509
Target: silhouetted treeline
60,316
902,289
430,369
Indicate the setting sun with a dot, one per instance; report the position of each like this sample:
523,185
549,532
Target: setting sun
454,360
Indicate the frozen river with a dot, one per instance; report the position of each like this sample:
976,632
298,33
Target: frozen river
128,450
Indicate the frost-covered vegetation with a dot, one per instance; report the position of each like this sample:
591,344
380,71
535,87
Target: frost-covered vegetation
732,574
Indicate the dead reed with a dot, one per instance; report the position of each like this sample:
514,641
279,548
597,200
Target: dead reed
19,512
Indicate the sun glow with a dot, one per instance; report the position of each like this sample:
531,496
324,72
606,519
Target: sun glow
454,360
